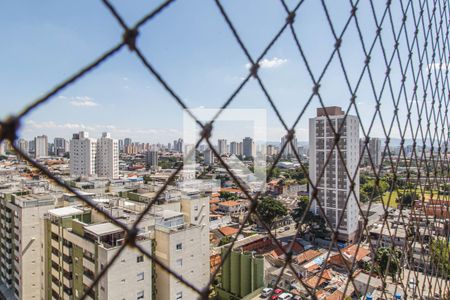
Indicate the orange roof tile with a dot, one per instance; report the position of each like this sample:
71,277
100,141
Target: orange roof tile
226,230
306,256
337,295
229,203
360,252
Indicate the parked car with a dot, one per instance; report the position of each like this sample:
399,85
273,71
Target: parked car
285,296
266,292
276,293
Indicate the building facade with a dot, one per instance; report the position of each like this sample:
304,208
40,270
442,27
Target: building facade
83,153
334,185
21,243
107,158
41,146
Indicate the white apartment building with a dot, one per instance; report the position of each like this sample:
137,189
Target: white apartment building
288,150
375,150
182,243
208,157
248,147
22,242
22,144
334,185
41,146
222,146
107,158
83,153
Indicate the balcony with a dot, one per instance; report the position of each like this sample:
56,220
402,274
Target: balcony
54,229
88,264
67,282
55,244
67,267
55,259
67,251
55,287
87,281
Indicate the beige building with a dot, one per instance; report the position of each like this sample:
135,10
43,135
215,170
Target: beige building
21,237
182,244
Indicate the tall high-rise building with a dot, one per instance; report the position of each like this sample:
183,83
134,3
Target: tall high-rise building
59,146
31,146
222,146
234,148
208,157
248,147
334,185
21,243
22,144
151,158
83,153
126,142
107,159
374,148
41,146
288,150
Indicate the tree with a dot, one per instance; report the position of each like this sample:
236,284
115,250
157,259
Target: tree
388,261
407,199
228,196
371,191
269,210
440,253
314,223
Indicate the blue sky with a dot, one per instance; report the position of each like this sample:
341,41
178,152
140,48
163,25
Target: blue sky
192,47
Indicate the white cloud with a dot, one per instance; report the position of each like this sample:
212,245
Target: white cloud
270,63
80,101
52,129
439,66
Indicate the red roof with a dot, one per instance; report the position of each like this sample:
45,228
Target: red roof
227,231
306,256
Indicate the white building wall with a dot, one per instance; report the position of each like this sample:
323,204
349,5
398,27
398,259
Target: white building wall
334,185
128,276
107,161
41,146
83,152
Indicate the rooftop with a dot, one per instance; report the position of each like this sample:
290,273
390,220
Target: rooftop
103,228
65,211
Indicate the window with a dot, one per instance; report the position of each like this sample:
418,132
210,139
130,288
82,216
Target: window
140,295
140,276
179,295
196,208
179,262
179,246
140,258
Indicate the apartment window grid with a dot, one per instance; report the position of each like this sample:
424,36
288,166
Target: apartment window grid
416,47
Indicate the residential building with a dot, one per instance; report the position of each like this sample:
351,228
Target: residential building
222,146
79,246
107,158
334,185
21,237
208,157
2,148
60,146
83,153
183,245
22,144
151,158
288,150
41,146
374,149
248,147
234,148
